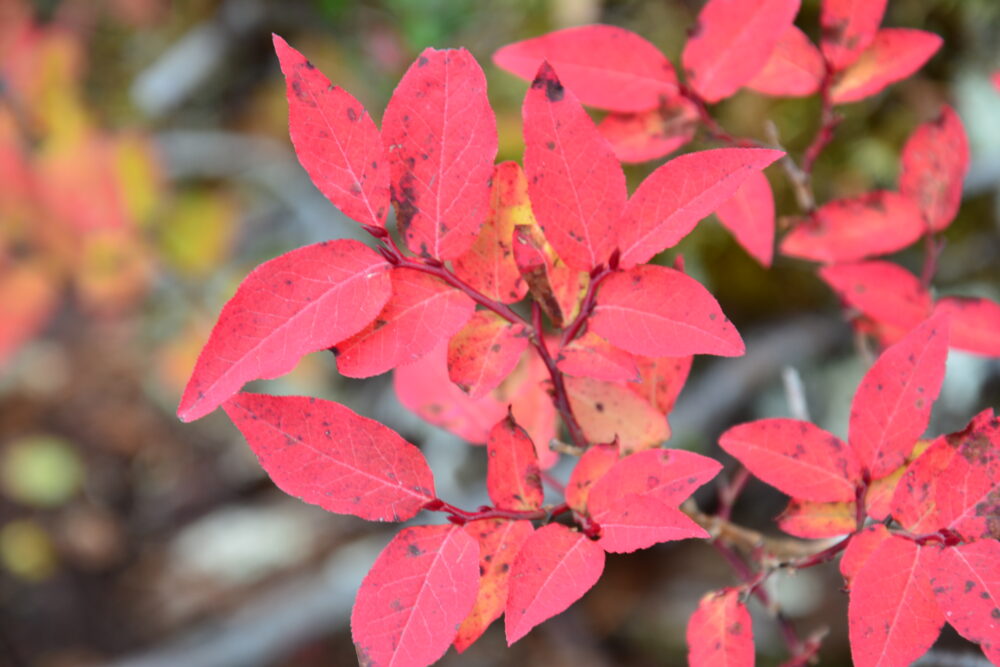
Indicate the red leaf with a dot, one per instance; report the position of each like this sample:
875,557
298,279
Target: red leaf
662,380
499,541
327,455
795,68
847,230
422,310
636,521
671,201
885,292
576,185
974,323
425,389
592,466
489,264
749,215
659,312
666,475
419,590
878,498
811,520
860,549
593,357
966,581
512,476
527,391
893,55
732,41
648,135
27,299
607,411
720,632
441,137
335,140
892,615
484,352
795,457
605,66
556,287
849,26
553,569
303,301
892,405
955,484
934,163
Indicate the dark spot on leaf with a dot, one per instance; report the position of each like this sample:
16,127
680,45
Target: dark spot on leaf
505,567
413,550
599,407
352,115
551,145
422,61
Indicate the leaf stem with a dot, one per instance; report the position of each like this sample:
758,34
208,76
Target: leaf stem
461,517
587,305
560,397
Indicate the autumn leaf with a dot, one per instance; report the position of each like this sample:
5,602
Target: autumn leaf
667,475
590,467
605,66
421,310
489,265
892,405
424,388
592,356
553,569
848,27
846,230
576,185
303,301
883,291
795,457
647,135
893,617
499,542
934,164
662,380
974,323
327,455
893,55
607,411
670,201
720,632
512,476
812,520
731,41
484,352
749,215
795,68
966,582
659,312
335,140
441,137
416,595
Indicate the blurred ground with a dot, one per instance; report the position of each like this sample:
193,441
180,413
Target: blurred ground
145,169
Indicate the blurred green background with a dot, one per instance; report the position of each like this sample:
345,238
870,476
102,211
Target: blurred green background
145,168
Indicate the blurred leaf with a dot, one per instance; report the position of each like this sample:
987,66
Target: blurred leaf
26,550
40,470
114,269
27,297
197,233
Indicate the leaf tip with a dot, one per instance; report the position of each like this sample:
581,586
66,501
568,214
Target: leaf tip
547,80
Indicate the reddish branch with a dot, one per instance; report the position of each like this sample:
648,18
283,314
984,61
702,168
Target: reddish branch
560,398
